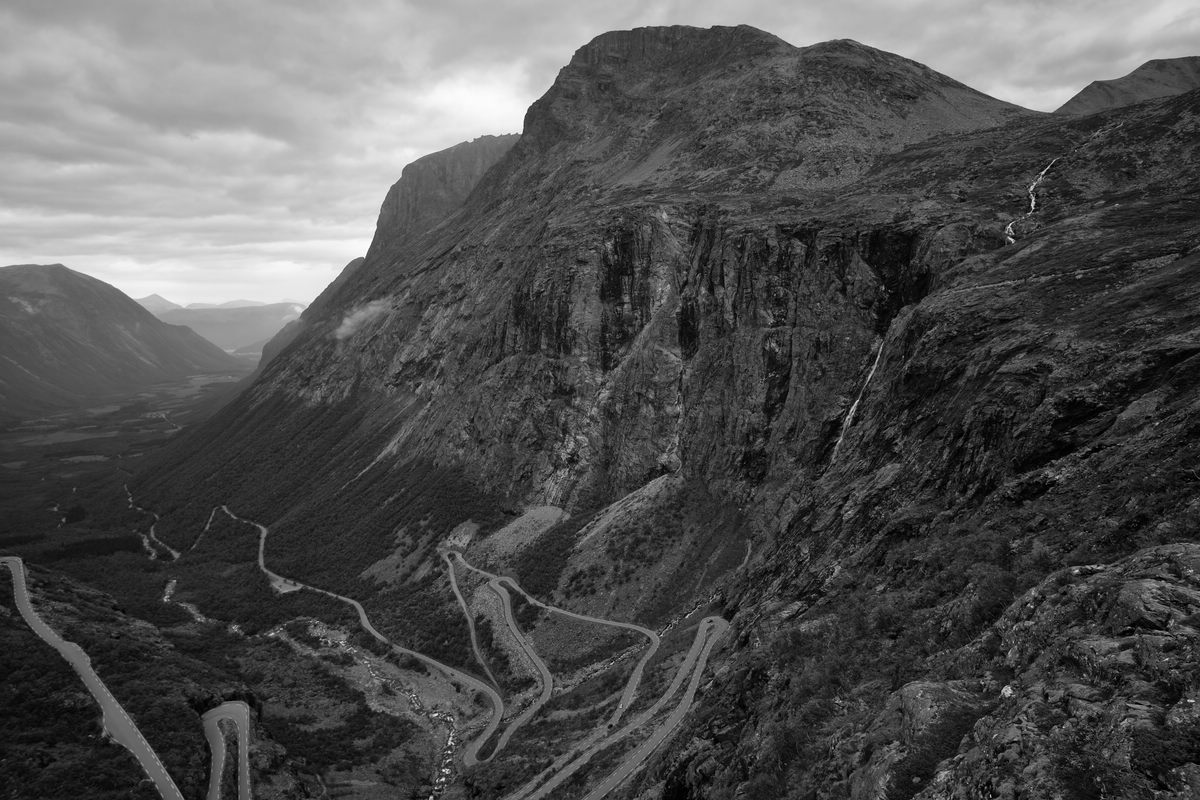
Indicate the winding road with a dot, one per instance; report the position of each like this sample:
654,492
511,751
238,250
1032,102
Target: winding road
707,634
151,535
118,725
282,584
527,647
716,627
635,677
239,713
121,728
462,603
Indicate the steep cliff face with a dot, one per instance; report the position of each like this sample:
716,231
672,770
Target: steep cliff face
429,189
1161,77
1037,407
576,280
433,187
915,347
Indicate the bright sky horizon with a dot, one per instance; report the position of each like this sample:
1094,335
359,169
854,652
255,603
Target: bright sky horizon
214,151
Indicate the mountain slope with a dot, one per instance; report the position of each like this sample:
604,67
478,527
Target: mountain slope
67,337
815,338
1157,78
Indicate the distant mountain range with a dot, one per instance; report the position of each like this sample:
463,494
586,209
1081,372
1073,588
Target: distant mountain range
234,326
156,304
228,304
67,337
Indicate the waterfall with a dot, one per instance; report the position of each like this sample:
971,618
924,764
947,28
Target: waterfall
1009,234
849,420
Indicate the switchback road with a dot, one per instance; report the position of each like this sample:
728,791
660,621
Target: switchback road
462,603
282,584
709,630
635,678
239,713
117,722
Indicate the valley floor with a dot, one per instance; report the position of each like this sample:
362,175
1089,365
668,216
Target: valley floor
75,461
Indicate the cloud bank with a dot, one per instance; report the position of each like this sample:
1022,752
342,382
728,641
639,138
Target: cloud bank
206,151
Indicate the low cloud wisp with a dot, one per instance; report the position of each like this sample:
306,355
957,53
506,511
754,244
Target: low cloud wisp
360,316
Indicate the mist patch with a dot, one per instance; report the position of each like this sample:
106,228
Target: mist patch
360,316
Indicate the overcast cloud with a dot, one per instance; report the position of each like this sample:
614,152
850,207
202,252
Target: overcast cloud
215,150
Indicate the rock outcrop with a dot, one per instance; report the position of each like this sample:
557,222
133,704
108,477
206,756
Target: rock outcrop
433,187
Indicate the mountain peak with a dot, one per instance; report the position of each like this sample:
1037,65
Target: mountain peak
675,42
156,303
707,108
1159,77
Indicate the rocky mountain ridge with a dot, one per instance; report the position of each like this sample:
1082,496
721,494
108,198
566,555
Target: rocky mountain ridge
1157,78
920,350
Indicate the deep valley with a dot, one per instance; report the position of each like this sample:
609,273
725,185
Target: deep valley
761,422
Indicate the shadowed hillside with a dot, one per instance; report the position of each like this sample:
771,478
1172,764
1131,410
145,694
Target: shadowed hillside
67,337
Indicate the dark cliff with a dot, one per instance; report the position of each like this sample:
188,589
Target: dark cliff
432,187
799,298
429,189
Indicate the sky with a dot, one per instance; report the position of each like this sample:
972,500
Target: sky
210,150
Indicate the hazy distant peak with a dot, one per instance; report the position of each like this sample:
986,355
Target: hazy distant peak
156,304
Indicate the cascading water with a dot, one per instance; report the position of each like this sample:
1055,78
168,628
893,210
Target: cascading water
849,420
1009,234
